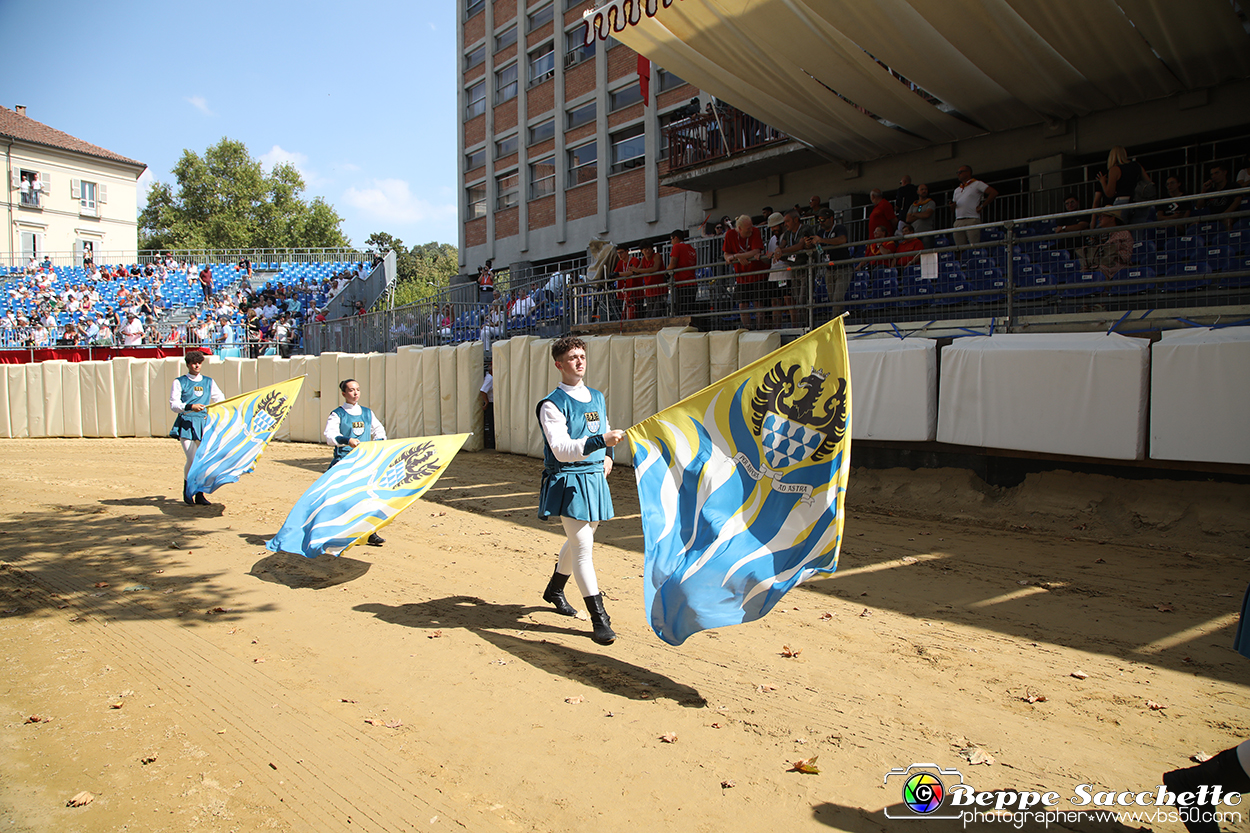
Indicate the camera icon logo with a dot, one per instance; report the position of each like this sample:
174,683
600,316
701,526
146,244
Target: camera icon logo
924,788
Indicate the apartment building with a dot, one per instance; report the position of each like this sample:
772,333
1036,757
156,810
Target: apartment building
556,144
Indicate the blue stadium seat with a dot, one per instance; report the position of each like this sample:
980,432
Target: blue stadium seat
1237,264
990,279
1130,273
1193,272
1035,284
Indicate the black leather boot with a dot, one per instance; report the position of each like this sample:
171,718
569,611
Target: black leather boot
200,500
1224,771
187,497
555,594
375,540
603,635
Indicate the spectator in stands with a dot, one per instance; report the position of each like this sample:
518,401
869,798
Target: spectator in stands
39,335
921,214
882,215
875,251
485,283
1067,225
813,207
36,188
112,318
743,248
1113,252
132,331
1219,203
69,338
206,282
90,329
104,335
521,308
971,198
1177,211
793,250
651,269
444,321
492,326
829,241
245,266
908,249
25,188
32,265
629,284
1117,184
282,336
903,198
682,259
778,271
202,332
486,395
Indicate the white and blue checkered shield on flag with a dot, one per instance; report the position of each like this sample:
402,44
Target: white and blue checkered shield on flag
786,442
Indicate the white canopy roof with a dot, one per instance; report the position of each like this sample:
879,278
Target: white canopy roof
817,69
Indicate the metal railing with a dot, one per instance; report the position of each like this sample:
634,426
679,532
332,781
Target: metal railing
270,258
716,134
1020,274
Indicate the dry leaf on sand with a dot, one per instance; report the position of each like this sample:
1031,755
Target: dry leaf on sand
805,765
1080,675
787,651
575,700
81,800
669,737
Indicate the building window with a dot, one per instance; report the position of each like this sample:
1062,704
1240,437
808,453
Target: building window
475,200
542,177
610,43
669,81
505,38
507,190
542,64
629,148
624,97
575,48
474,159
583,164
582,115
475,98
542,131
32,187
541,17
475,56
472,7
505,84
506,146
86,194
569,5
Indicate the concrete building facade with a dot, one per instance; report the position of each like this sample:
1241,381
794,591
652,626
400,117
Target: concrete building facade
66,196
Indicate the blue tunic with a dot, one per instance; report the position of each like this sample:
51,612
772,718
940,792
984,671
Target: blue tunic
360,427
190,424
577,490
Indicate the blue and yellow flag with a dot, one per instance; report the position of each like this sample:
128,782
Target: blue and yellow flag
363,492
742,487
236,432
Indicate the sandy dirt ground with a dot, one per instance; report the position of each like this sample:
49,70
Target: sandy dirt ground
1074,629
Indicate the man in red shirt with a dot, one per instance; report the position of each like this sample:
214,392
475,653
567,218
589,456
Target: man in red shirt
910,245
682,259
651,270
744,248
882,215
628,285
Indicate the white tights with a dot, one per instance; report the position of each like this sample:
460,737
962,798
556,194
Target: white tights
189,447
575,555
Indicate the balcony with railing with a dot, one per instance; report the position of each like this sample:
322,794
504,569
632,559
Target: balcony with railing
724,145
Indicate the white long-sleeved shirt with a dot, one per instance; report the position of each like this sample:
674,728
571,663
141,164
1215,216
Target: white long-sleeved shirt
175,395
331,434
556,429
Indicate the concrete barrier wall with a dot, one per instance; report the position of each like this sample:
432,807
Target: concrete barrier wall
1009,392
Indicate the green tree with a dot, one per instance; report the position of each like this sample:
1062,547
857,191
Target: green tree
421,271
225,200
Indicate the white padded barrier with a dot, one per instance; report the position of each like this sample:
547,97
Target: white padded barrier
141,397
668,366
124,417
54,397
501,368
36,419
15,394
694,350
620,390
543,379
754,346
431,403
447,389
723,354
1082,394
1200,396
470,360
6,425
893,389
646,378
71,399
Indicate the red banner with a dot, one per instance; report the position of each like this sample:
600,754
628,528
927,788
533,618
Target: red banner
89,354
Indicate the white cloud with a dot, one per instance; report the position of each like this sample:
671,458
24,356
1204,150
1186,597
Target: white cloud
278,155
392,202
349,167
200,103
145,182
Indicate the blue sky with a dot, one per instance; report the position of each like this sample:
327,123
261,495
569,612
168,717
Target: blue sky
359,97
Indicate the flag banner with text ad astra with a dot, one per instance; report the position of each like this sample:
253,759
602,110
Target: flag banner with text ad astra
236,432
742,487
363,492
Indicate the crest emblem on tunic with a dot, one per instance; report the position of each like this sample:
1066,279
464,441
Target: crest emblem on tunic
795,418
409,467
593,422
358,427
269,412
199,390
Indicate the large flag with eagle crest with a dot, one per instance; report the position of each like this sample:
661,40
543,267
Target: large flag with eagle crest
742,487
363,492
236,432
